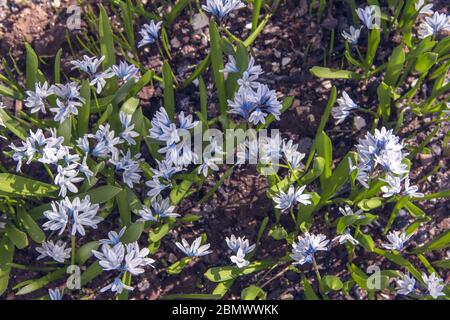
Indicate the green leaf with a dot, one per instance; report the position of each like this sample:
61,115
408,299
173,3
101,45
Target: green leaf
323,121
370,204
133,232
278,233
20,186
425,61
440,242
19,238
127,17
57,69
328,73
255,13
106,39
325,150
169,95
92,272
340,175
373,42
395,66
31,227
11,125
332,282
84,252
444,264
65,130
366,241
180,191
309,291
217,65
85,110
219,274
253,293
6,257
159,233
124,208
42,282
178,266
31,67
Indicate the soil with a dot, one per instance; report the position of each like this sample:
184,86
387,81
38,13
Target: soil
291,43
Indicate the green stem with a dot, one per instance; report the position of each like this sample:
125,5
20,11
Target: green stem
72,259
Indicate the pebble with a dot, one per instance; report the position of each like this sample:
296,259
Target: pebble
199,21
359,122
285,61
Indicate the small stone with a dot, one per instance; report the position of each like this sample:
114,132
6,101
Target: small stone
285,61
175,42
199,21
327,84
359,122
143,285
426,158
275,67
277,53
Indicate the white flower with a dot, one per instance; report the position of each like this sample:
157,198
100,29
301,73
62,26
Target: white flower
239,243
146,214
113,237
431,26
344,107
412,190
136,259
293,157
161,209
156,187
57,251
346,237
68,100
353,36
99,80
382,148
127,134
208,163
347,211
303,250
88,65
406,284
423,8
221,8
55,294
195,249
66,179
239,259
125,72
106,142
434,285
116,286
285,201
149,33
36,99
166,169
76,213
111,257
368,16
397,240
394,186
231,65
